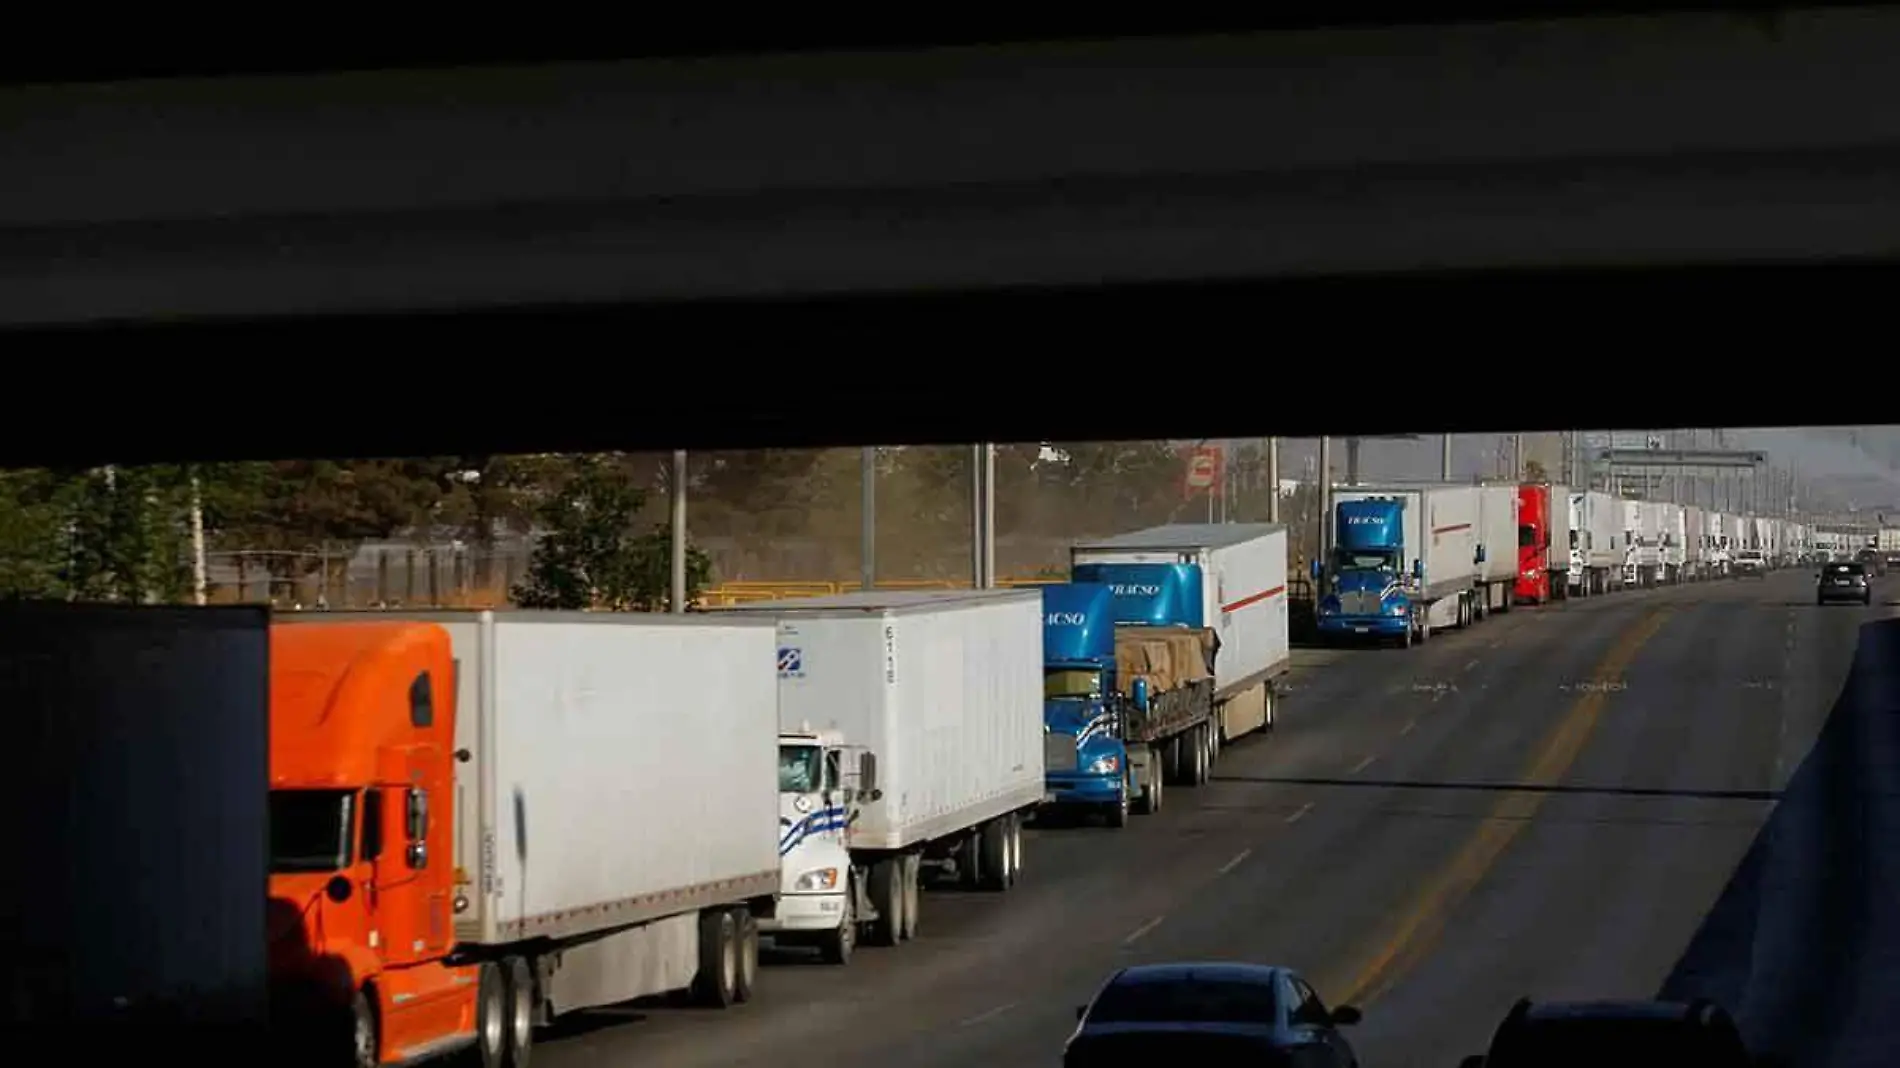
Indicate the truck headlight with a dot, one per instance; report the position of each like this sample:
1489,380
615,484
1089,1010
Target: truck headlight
816,880
1395,609
1107,765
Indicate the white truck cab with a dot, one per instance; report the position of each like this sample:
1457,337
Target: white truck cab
820,782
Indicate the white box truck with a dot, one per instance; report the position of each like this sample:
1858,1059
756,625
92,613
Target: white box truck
1404,561
910,735
612,802
1226,577
1596,559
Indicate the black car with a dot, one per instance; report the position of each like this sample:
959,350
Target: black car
1871,559
1595,1033
1844,582
1209,1015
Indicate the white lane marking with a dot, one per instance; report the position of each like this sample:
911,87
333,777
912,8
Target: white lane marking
989,1015
1303,810
1362,765
1142,930
1235,863
1409,725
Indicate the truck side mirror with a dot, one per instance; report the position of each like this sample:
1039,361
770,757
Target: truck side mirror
867,776
1418,569
1139,694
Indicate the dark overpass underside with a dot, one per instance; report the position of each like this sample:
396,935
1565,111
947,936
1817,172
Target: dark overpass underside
1569,193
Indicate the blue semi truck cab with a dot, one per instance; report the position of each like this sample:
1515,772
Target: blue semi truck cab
1084,712
1365,589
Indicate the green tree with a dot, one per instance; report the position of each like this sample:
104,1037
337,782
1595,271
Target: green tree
588,554
36,511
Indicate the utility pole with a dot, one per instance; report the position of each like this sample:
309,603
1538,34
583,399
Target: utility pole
1444,458
867,529
677,603
1517,457
1325,481
1273,480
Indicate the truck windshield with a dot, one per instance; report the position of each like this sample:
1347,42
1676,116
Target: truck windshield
1071,682
800,768
1526,536
310,830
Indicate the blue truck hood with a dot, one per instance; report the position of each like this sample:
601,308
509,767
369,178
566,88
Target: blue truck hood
1088,722
1078,623
1148,594
1370,524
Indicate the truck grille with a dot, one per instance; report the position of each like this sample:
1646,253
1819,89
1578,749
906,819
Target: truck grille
1058,752
1359,603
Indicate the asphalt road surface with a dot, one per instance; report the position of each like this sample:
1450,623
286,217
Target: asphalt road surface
1625,796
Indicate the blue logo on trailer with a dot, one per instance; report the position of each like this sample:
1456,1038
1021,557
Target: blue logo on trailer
791,662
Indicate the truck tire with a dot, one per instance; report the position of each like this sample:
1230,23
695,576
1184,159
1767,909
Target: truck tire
1016,821
521,1011
1199,763
837,946
994,836
910,872
1118,811
886,886
748,977
1150,801
491,1016
716,985
364,1036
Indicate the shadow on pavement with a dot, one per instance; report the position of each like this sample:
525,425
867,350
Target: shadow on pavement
1795,944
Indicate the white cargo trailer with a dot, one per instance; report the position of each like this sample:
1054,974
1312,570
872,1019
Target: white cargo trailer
1228,577
615,798
1558,556
943,691
1694,527
1596,561
1430,531
1497,545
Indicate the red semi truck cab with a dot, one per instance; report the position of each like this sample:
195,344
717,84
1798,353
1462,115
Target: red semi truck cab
1533,543
362,884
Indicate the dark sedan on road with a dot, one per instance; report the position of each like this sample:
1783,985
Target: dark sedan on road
1209,1015
1844,582
1595,1033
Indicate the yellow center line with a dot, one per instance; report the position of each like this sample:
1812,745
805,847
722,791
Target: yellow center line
1424,919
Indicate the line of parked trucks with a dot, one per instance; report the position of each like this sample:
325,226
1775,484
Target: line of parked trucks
381,837
1408,559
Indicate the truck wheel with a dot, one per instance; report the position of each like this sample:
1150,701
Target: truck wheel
748,956
1199,763
910,871
365,1047
520,1011
716,985
491,1016
887,897
994,837
838,945
1118,811
1015,849
1271,699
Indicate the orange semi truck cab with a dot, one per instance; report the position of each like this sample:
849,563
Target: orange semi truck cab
362,882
